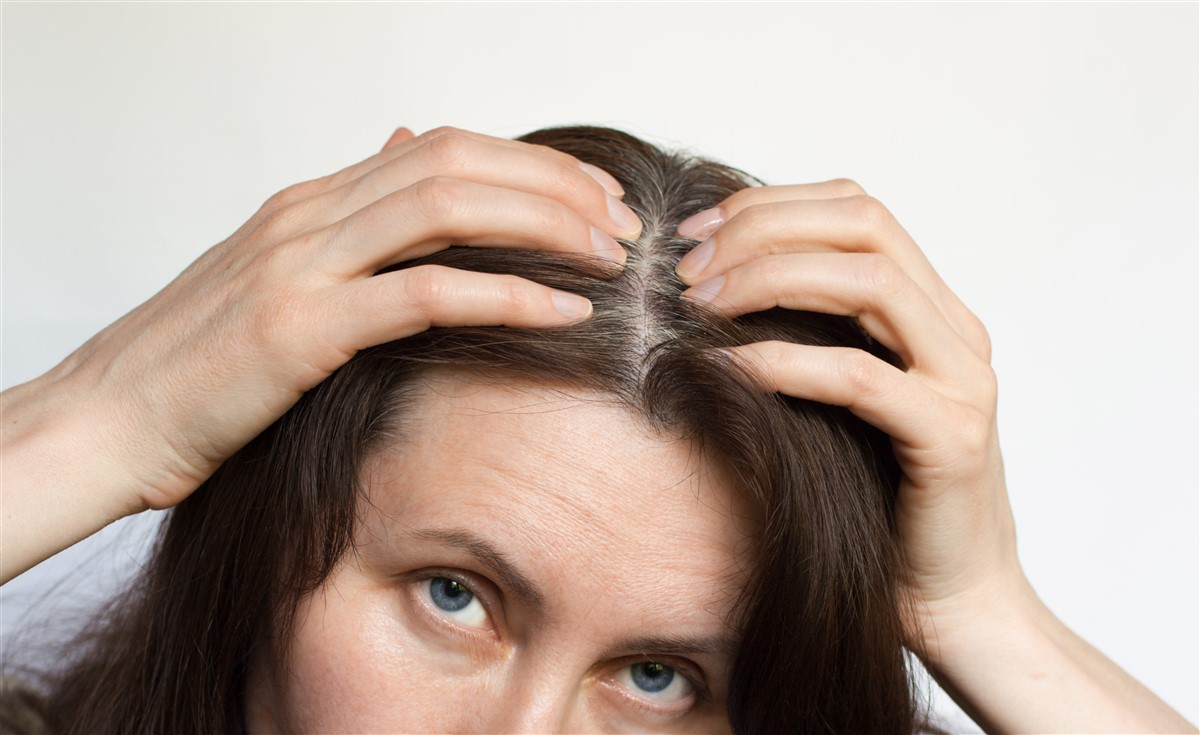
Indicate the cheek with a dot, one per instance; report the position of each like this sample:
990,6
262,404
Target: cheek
358,666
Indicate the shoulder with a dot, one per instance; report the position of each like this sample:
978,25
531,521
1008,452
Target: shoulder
22,708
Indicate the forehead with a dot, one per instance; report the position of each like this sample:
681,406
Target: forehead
573,487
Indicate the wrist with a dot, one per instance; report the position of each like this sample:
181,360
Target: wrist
991,620
87,416
1013,666
60,479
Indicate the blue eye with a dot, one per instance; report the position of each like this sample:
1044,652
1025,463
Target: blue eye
454,600
655,681
449,594
651,677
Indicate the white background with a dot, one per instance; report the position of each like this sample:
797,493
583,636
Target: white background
1044,156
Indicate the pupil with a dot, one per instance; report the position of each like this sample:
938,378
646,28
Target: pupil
652,677
449,595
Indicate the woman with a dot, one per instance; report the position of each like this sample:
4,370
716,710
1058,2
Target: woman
734,509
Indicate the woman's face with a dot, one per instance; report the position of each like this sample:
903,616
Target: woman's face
531,561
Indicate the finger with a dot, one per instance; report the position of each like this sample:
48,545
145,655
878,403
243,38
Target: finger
606,180
438,212
602,178
401,135
845,224
867,286
402,303
526,168
702,224
878,393
306,190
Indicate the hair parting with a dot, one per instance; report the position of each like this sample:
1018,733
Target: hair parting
820,624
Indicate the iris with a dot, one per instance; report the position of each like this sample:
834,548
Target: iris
449,594
652,677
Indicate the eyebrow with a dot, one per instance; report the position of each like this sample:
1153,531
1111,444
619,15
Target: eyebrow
524,588
488,555
675,645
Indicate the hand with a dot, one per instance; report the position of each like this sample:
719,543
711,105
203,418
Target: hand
982,632
830,248
187,378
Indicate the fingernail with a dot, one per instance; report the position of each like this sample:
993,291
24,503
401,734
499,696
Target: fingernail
701,224
603,178
704,293
606,247
694,263
624,217
570,305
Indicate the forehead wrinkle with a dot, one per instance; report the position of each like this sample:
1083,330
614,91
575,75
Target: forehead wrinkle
552,479
568,473
589,497
614,590
572,538
675,556
607,508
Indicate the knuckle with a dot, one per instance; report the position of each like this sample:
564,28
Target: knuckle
754,217
553,217
869,211
440,131
564,174
426,286
881,276
369,187
769,274
974,434
277,322
987,384
843,187
270,267
555,155
980,339
740,199
374,217
294,193
280,223
860,371
515,297
568,178
450,151
765,358
438,196
773,351
280,199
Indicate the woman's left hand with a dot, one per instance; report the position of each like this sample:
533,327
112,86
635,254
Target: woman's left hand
977,623
830,248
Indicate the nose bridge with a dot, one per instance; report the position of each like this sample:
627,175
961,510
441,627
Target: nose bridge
543,700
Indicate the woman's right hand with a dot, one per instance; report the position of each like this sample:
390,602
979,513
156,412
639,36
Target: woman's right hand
173,388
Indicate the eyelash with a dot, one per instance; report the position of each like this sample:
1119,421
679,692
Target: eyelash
475,588
700,692
686,669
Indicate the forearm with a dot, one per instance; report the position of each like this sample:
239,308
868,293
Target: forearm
60,478
1018,668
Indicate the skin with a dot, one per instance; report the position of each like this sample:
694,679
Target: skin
139,416
971,614
146,410
625,534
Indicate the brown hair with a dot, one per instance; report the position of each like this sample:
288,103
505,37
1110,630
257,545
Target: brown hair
821,647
